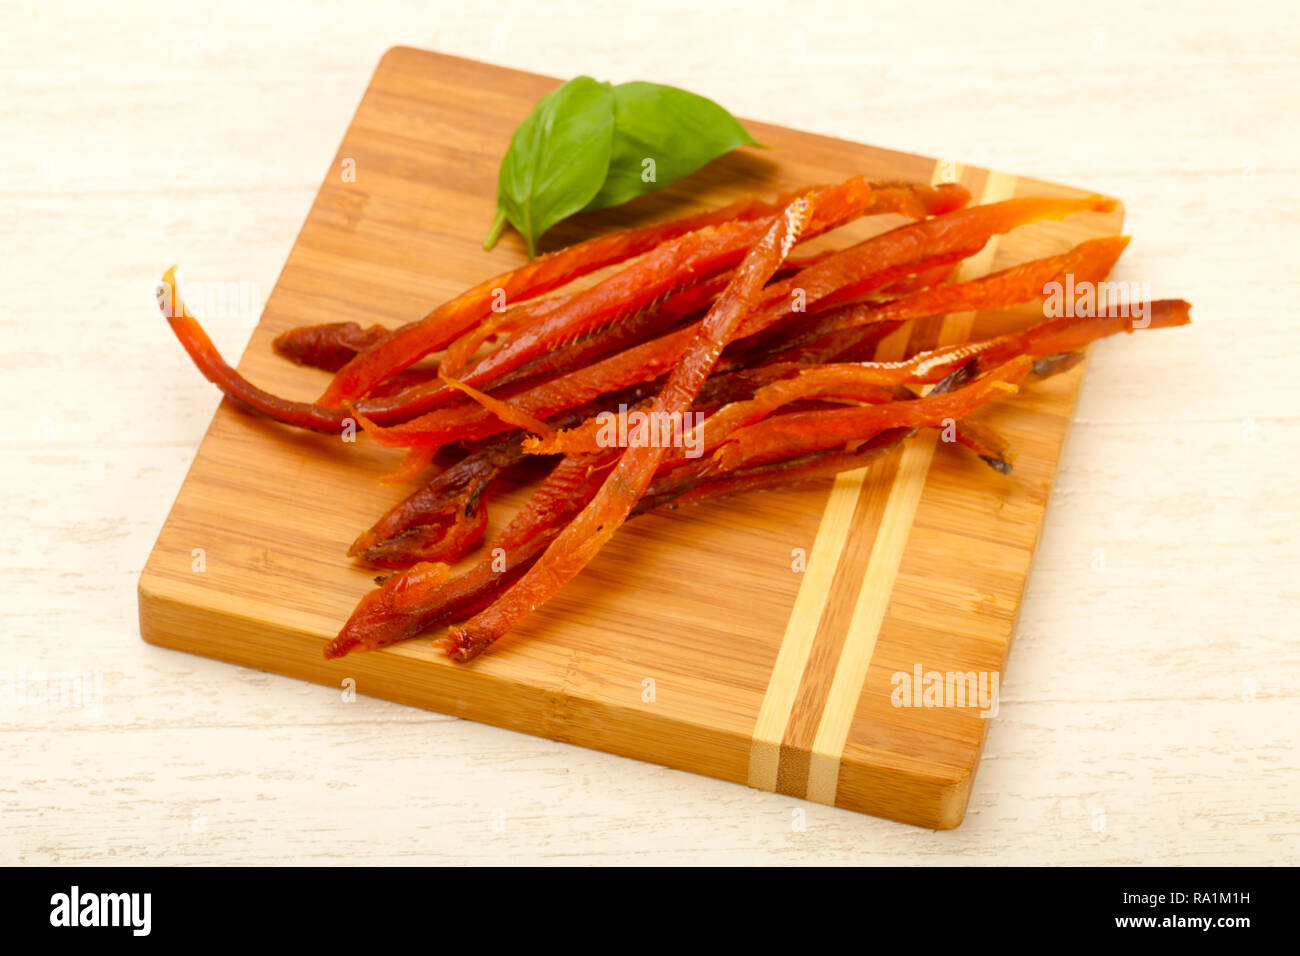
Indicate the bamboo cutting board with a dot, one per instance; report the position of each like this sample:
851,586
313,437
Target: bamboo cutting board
772,639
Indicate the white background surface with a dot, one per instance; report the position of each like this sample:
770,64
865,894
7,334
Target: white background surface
1149,711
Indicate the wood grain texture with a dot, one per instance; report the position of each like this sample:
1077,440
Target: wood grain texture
1147,713
665,647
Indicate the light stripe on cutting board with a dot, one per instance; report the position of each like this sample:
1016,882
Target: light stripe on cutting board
804,720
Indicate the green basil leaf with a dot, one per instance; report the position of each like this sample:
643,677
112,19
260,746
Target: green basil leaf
557,159
662,133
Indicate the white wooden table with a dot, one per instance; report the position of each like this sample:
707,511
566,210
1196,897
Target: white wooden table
1149,712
